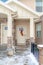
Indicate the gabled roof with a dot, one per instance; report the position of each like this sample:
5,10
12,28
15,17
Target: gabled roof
22,5
6,6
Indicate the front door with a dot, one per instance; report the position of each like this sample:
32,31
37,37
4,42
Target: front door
21,35
4,33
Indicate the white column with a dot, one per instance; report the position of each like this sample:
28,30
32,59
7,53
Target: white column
31,28
9,24
31,31
10,39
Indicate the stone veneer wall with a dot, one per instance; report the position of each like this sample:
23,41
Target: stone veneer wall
14,32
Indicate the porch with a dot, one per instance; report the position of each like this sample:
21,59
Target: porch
21,30
21,35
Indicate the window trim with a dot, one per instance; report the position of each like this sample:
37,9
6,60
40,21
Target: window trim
36,31
39,6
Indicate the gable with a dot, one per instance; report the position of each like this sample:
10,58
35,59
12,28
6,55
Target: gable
5,9
22,12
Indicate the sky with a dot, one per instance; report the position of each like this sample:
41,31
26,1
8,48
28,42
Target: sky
4,0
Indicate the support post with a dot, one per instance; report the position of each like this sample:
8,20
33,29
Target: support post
32,40
10,37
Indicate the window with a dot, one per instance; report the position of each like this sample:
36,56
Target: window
38,30
39,5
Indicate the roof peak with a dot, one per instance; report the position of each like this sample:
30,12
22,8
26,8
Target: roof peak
6,6
22,5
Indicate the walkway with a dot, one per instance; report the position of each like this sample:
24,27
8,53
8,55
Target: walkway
26,58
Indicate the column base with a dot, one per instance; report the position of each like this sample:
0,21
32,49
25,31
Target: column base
10,47
32,40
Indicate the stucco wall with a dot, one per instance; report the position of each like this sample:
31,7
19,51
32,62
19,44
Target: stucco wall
29,3
25,23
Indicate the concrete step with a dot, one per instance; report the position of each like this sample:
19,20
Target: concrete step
21,49
3,47
3,53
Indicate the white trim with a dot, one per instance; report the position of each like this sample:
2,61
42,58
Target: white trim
24,6
6,6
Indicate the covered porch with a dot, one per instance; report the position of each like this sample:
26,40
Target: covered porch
21,31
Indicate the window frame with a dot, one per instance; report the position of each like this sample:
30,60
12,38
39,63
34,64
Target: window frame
37,32
40,7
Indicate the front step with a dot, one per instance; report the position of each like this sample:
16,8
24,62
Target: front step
3,54
3,50
21,49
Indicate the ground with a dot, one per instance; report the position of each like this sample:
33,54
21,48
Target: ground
26,58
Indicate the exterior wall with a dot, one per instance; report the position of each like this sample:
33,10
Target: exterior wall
29,3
